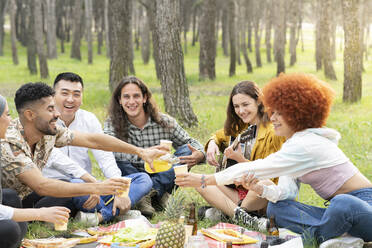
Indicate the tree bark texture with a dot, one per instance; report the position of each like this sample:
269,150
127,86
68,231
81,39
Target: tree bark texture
145,38
3,4
77,32
207,53
279,37
120,22
232,36
107,31
39,37
294,19
51,29
258,7
268,26
243,12
13,10
353,51
172,73
31,42
225,28
325,40
88,28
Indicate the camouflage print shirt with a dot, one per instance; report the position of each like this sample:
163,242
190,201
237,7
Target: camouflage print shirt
16,157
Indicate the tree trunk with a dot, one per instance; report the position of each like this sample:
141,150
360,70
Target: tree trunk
20,22
268,25
325,30
61,23
31,42
353,51
99,23
225,29
172,73
51,29
294,13
121,62
145,38
186,12
78,16
249,26
231,21
88,28
194,24
207,54
3,4
258,7
243,31
39,37
279,37
13,10
107,29
136,25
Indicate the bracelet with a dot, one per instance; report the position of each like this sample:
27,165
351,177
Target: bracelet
203,185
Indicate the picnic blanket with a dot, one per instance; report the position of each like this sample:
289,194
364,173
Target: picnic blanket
211,242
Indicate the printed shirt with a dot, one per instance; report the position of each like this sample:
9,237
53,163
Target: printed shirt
16,156
76,161
150,135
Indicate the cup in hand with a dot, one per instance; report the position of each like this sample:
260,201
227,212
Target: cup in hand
125,191
166,143
180,169
60,227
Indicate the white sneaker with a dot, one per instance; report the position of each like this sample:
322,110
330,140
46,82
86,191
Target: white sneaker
213,214
88,219
130,214
343,242
242,217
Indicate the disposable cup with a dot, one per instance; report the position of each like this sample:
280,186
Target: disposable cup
125,191
166,143
180,169
60,227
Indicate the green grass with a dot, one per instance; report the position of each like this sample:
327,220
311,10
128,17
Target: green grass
208,98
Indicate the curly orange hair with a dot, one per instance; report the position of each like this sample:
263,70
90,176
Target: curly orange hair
303,100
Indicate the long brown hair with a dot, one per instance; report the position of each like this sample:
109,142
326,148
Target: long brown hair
119,118
233,123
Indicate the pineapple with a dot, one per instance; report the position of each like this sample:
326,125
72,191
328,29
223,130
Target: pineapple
172,233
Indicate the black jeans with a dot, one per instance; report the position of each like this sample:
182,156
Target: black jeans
11,232
34,200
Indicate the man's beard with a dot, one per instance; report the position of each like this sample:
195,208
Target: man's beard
44,127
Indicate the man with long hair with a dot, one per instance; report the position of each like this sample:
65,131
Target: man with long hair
135,118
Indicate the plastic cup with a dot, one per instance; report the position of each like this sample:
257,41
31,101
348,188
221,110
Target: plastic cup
166,143
125,191
60,227
180,169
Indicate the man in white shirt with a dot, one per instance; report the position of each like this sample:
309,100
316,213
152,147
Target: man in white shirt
71,162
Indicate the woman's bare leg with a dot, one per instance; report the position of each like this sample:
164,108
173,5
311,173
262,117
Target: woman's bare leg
221,197
253,202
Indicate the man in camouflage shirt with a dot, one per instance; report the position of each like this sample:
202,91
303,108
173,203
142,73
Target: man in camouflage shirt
29,141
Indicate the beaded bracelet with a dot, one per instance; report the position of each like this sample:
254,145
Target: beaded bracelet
203,185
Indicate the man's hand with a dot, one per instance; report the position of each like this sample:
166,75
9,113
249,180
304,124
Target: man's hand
193,159
111,186
92,201
149,154
123,203
212,151
54,214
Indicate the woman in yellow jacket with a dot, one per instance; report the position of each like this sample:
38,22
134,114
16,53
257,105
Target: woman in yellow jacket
244,110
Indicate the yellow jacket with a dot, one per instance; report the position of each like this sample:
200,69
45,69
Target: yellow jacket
266,142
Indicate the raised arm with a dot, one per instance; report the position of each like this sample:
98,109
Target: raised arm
108,143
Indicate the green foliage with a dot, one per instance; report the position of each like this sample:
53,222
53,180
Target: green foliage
208,98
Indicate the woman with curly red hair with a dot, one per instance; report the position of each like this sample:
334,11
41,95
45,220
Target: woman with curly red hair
299,105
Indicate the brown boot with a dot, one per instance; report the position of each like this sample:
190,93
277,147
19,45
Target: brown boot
164,199
144,205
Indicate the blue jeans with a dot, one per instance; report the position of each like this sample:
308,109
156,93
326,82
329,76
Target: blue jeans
162,181
140,186
351,213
